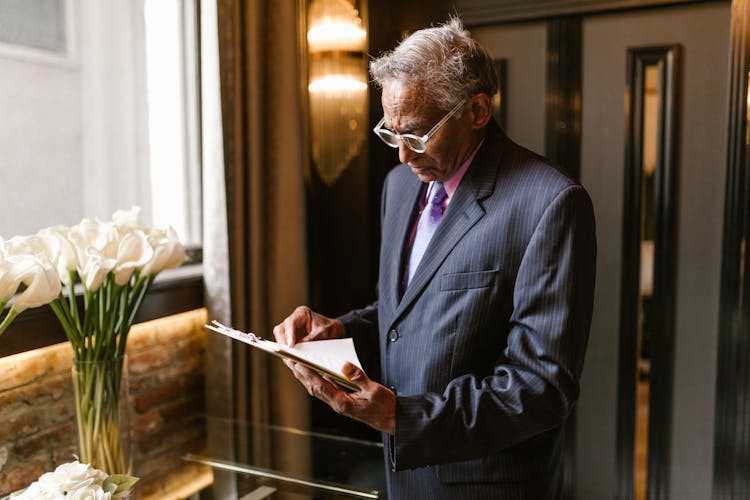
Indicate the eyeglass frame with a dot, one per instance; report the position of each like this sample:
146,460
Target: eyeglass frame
423,139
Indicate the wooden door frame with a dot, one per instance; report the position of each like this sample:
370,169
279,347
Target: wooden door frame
732,406
661,349
486,12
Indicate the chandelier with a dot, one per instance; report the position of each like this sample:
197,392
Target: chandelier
337,86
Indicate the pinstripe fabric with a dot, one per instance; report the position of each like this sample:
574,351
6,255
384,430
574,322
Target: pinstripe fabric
491,332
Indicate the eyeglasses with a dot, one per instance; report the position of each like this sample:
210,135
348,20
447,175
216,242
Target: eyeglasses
414,142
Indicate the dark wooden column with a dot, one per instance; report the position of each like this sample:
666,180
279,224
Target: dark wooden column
562,135
732,433
562,144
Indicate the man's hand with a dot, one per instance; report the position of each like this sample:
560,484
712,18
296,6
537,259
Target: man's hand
304,325
373,404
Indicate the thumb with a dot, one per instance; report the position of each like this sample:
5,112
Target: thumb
354,373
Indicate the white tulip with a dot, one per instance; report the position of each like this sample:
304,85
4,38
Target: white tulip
168,251
29,245
39,276
90,233
9,281
61,247
94,267
126,217
133,253
96,246
177,255
43,253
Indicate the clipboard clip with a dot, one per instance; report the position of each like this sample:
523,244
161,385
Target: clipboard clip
221,328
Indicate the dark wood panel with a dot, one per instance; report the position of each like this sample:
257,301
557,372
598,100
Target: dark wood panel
731,435
481,12
562,144
562,138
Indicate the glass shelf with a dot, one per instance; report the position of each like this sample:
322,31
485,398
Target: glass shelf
261,461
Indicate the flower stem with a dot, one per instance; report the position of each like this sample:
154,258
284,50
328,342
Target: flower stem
8,319
58,306
97,386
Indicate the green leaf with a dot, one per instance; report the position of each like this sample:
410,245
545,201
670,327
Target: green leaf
122,483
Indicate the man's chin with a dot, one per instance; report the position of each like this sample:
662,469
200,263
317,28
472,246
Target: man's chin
425,175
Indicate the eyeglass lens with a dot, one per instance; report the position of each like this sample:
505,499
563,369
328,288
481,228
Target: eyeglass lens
414,143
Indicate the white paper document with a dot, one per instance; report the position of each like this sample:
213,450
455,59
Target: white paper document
324,356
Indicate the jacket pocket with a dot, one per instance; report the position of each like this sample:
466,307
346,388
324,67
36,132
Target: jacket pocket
465,281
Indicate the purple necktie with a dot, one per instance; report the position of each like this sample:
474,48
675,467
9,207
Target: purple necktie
428,222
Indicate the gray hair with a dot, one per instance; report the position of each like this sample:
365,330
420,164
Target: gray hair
444,62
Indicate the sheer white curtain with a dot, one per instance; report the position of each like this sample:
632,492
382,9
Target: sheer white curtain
255,259
219,387
215,247
114,109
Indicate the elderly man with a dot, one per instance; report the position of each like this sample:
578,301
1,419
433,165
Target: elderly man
485,289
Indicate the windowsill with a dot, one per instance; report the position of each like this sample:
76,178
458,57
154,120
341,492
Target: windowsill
174,291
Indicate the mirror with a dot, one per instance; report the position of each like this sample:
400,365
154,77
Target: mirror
646,263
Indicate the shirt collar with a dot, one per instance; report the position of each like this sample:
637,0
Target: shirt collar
451,184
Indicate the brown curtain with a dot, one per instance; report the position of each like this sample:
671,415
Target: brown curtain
264,155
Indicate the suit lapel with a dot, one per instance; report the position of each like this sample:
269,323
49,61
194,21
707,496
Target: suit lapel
463,212
456,222
406,206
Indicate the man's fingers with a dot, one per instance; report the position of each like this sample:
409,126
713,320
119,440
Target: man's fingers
278,332
316,385
294,323
288,331
354,373
374,404
304,325
284,332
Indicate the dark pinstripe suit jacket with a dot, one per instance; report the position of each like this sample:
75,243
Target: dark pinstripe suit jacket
486,345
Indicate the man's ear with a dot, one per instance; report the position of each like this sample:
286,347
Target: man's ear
480,109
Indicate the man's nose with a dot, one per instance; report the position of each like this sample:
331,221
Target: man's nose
405,155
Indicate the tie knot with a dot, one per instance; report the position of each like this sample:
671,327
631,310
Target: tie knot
437,194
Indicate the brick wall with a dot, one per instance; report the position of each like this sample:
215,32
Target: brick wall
166,361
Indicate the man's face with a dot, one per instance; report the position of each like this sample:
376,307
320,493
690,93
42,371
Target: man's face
406,111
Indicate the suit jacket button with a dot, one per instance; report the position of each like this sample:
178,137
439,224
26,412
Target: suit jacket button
393,335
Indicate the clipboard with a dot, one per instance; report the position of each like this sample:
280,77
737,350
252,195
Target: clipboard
320,356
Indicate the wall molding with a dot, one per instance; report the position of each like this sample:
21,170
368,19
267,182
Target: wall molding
481,12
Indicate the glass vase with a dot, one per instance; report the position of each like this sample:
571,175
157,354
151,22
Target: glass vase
101,399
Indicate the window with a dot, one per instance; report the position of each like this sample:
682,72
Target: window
174,131
101,114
